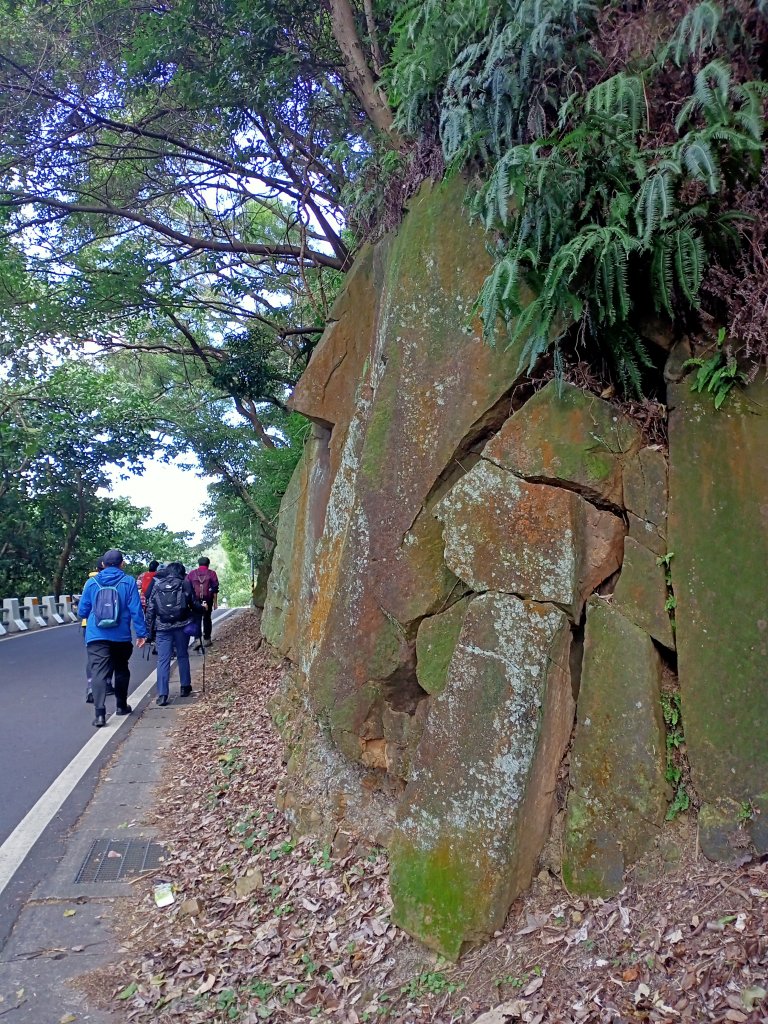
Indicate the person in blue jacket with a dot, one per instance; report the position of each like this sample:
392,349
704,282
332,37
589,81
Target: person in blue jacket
108,642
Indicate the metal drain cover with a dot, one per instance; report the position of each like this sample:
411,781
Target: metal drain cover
113,860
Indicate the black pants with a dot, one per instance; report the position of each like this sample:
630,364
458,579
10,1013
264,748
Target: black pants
207,624
105,659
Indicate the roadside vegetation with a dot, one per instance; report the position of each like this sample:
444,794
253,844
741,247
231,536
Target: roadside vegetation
183,187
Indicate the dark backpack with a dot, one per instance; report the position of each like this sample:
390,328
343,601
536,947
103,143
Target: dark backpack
106,607
170,600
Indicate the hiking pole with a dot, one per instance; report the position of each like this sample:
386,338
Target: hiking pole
203,650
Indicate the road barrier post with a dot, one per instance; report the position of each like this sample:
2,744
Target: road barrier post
51,609
65,608
33,613
12,616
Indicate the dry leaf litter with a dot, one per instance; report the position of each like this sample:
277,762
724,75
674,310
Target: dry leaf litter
267,925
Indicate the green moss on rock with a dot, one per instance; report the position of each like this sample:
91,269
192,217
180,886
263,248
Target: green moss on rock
618,793
718,531
435,644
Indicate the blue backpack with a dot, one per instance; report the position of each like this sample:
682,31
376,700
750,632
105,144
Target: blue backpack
106,607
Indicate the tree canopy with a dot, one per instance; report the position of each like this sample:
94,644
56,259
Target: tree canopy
183,186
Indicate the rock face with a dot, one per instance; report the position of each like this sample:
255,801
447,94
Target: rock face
289,589
440,540
478,806
718,531
565,436
618,797
641,592
379,568
546,543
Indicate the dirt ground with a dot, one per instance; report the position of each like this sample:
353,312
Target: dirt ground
270,926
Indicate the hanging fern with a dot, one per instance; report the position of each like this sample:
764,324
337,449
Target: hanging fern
593,220
603,202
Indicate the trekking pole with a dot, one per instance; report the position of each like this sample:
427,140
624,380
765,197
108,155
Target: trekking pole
203,649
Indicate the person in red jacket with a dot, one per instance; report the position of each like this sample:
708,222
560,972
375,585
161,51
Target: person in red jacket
144,579
205,584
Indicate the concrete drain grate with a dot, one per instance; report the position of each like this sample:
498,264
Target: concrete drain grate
113,860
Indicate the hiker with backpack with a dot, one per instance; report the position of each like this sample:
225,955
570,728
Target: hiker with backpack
84,622
171,609
110,604
144,579
206,586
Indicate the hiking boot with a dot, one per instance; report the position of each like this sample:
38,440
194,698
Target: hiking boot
101,718
162,700
123,709
89,697
185,691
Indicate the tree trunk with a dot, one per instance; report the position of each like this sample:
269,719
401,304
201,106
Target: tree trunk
359,75
69,541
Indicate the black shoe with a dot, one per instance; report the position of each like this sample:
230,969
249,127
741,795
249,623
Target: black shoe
162,700
100,719
185,691
208,641
110,691
89,697
123,709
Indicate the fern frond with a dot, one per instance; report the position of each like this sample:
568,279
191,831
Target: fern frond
654,204
690,260
696,33
622,95
702,163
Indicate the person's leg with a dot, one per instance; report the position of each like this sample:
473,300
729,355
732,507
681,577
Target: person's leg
100,672
121,652
181,642
207,624
164,643
88,687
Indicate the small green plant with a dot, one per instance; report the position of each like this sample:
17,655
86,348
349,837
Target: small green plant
433,983
322,858
746,812
261,989
672,712
670,603
284,848
718,374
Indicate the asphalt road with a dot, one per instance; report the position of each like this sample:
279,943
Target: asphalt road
44,723
44,720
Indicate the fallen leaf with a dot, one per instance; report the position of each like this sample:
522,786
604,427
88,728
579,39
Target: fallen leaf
128,991
750,997
69,913
207,985
533,986
631,974
504,1012
68,1018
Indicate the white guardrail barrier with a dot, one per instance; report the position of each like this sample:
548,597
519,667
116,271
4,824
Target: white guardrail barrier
19,616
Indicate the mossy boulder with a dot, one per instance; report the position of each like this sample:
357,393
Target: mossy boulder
477,810
641,592
435,644
564,435
718,532
428,381
539,542
618,792
289,597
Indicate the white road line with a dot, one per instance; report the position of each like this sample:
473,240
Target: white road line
14,850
